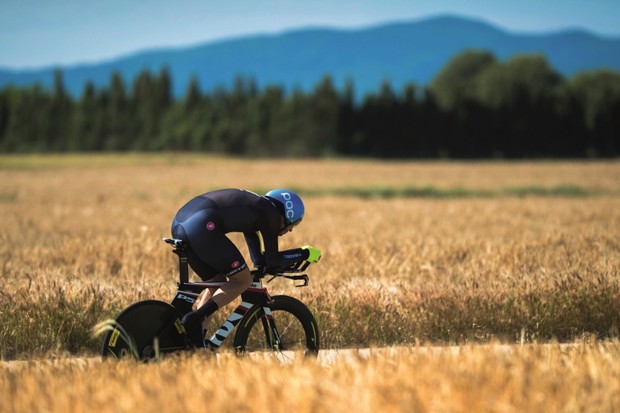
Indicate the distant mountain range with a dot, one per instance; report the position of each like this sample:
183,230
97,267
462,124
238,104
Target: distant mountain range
400,52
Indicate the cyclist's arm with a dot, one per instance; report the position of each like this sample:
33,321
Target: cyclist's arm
262,255
255,246
267,252
286,258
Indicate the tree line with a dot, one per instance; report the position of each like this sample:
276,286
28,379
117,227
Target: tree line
476,107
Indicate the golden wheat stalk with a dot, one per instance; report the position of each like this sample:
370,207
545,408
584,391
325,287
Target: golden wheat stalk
111,326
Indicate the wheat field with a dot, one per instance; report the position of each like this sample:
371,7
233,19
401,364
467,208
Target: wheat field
476,378
415,255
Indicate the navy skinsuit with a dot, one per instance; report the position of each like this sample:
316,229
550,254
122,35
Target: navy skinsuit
204,221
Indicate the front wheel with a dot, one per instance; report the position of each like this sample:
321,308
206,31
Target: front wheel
285,325
143,331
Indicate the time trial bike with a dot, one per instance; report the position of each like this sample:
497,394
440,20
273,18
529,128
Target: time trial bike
149,329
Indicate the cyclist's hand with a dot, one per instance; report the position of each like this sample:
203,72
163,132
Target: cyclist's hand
314,255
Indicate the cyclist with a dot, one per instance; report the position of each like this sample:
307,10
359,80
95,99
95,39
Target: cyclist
203,222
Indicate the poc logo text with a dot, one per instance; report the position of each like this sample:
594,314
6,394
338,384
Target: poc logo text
288,206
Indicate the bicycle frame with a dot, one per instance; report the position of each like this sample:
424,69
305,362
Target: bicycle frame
188,292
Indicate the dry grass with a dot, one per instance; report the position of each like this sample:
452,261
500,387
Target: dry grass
80,239
490,378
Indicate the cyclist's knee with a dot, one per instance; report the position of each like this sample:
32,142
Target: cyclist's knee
202,299
243,278
236,285
239,282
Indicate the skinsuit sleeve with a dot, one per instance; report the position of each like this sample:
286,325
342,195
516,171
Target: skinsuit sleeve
264,251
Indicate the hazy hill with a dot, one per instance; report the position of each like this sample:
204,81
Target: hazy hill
400,52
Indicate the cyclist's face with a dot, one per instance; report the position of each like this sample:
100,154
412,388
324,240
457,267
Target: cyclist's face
286,228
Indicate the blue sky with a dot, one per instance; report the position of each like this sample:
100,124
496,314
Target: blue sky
36,33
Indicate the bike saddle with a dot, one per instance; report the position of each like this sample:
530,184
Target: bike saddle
177,243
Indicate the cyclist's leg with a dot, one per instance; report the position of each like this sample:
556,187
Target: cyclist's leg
202,269
196,263
236,284
220,254
225,294
205,295
226,257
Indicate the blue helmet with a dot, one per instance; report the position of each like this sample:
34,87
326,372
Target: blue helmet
292,207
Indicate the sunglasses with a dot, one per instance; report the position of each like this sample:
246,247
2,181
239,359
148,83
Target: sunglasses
289,227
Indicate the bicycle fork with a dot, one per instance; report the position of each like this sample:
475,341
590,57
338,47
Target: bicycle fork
272,336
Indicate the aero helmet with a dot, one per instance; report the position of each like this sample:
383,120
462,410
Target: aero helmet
292,207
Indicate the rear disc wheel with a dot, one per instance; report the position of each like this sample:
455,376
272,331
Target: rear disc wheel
144,331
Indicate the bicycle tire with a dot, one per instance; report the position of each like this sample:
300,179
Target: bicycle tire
294,322
143,331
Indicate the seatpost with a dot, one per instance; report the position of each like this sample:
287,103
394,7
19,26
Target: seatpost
183,266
